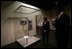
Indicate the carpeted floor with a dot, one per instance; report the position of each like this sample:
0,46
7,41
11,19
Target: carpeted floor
38,44
35,45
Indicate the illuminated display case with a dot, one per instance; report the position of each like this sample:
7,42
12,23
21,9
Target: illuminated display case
24,26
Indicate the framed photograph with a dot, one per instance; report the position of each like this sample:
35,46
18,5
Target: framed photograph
24,21
29,25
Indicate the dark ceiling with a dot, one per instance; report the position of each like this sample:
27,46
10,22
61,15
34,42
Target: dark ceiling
47,4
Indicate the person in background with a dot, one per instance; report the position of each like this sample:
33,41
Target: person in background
46,30
62,25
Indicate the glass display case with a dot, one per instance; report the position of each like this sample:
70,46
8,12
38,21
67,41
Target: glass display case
23,27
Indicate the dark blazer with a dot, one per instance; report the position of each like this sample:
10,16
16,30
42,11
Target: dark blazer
62,26
46,27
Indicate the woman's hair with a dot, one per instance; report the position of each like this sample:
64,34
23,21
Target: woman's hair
45,18
60,8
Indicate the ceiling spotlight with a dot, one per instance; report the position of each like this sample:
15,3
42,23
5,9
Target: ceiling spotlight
56,2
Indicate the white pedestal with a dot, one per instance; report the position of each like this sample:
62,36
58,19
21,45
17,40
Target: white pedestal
30,41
